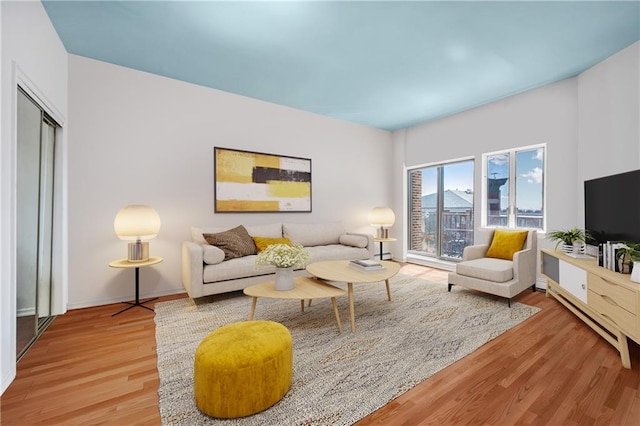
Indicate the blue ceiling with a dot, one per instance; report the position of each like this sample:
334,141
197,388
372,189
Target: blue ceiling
388,64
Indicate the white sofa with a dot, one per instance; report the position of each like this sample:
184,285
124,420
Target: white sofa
204,272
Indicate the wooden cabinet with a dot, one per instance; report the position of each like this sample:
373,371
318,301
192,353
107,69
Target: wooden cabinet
607,301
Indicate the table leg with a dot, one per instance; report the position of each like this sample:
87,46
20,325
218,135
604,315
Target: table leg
335,311
388,290
302,305
351,309
253,307
623,347
137,286
381,250
137,301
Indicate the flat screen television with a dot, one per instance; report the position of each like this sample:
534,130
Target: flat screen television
612,207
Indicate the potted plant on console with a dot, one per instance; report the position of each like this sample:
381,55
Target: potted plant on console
628,258
285,258
572,240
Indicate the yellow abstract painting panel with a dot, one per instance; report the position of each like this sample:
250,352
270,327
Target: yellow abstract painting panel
269,161
247,205
234,166
289,189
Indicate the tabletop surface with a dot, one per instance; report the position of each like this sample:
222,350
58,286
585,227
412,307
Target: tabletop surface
124,263
340,271
305,288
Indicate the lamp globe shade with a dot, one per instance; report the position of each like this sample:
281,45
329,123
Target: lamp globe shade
137,222
382,216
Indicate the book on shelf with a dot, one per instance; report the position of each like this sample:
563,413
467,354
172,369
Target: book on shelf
609,254
600,255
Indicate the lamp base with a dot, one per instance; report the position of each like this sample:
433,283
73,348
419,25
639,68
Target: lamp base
383,232
138,251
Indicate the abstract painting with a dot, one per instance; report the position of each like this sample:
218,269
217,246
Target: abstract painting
248,181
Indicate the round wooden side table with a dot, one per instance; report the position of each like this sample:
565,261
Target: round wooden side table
384,240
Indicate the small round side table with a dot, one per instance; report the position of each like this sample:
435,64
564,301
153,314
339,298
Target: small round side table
384,240
124,263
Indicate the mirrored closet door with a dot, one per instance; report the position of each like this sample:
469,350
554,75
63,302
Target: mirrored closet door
36,135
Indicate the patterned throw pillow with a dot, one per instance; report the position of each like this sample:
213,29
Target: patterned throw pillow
264,242
506,243
235,242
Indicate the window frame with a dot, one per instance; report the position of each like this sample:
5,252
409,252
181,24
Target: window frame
439,166
512,208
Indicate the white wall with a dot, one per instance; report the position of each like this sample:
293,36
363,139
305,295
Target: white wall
145,139
33,55
544,115
590,124
609,128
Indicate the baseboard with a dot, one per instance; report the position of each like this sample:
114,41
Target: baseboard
25,312
8,377
111,301
432,263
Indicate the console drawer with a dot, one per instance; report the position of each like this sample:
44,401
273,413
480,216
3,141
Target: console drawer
622,296
607,307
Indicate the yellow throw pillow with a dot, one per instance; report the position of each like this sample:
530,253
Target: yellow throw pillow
264,242
506,243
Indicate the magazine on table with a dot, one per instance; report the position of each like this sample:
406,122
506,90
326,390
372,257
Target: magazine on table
366,265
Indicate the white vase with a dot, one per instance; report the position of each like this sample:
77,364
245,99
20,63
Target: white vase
578,247
284,279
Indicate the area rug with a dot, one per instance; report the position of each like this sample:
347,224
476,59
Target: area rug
338,378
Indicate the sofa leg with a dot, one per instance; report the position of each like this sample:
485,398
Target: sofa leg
533,288
449,287
509,302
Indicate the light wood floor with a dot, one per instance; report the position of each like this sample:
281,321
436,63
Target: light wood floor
90,368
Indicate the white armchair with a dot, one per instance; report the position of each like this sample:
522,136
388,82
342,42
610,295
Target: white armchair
500,277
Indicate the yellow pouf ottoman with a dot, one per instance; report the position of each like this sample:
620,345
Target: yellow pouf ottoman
243,368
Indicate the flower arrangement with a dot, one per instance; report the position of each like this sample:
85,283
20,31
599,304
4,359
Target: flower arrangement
283,256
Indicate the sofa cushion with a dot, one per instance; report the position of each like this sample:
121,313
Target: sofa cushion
336,252
489,269
316,234
353,240
235,242
272,230
212,255
240,267
197,235
264,242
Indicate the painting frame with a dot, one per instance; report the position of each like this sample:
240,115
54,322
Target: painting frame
258,182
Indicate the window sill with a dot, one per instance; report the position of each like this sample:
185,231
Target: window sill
431,262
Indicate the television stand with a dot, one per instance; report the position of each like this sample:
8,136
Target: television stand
607,301
579,256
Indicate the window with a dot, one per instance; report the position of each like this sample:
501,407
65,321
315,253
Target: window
514,188
441,209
